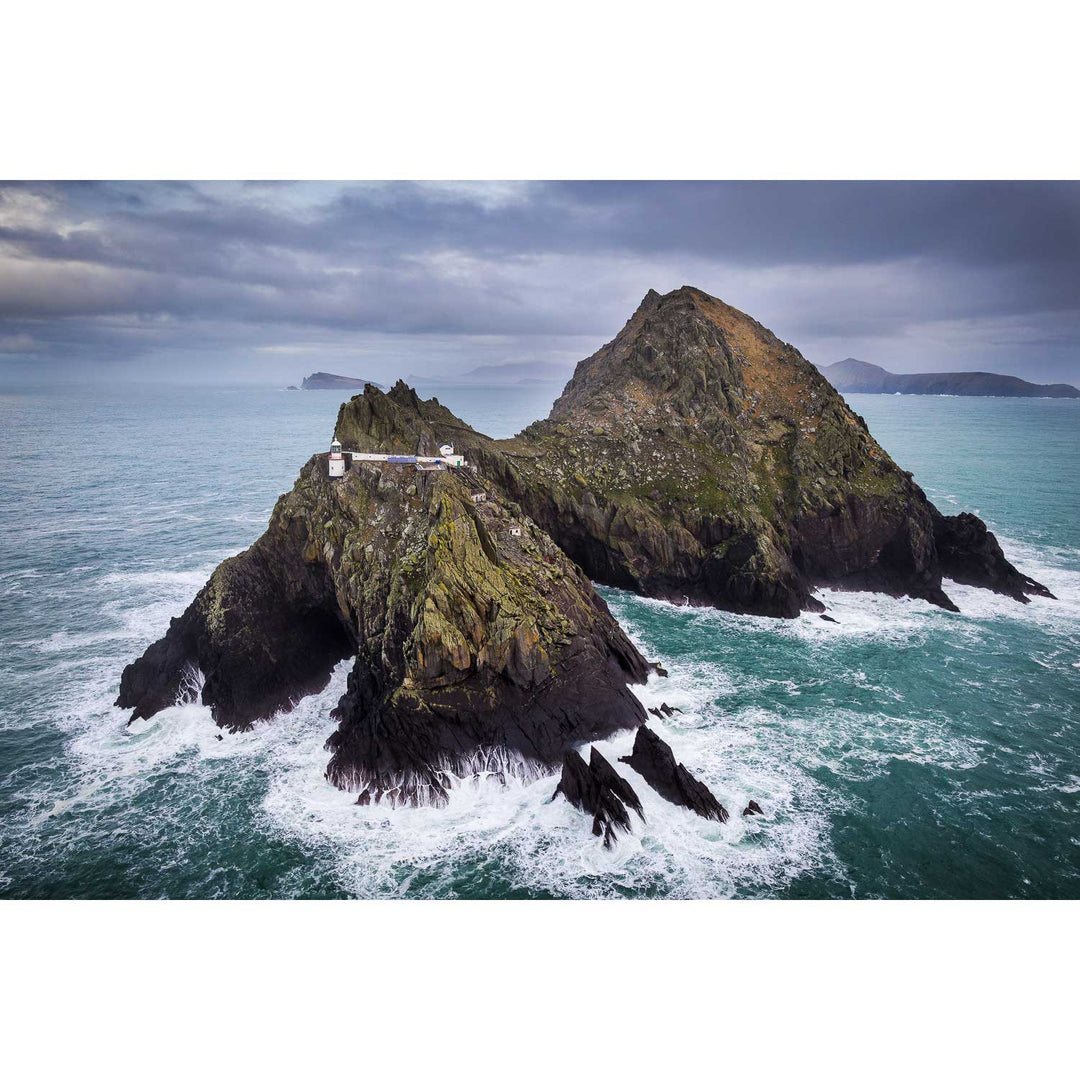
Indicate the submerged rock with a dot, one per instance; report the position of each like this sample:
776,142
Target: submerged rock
827,618
599,790
653,758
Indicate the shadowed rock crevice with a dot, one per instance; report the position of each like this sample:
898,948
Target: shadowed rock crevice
654,759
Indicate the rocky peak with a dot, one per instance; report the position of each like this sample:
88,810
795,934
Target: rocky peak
691,357
698,457
400,421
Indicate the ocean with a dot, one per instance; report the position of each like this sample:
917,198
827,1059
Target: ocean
904,752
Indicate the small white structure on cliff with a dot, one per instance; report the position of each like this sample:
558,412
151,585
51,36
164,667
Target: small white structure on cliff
336,460
447,459
455,461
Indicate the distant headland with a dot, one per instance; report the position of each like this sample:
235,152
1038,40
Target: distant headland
323,380
858,377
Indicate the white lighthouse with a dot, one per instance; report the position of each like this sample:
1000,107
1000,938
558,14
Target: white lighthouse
337,460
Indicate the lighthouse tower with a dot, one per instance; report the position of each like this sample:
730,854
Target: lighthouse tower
337,460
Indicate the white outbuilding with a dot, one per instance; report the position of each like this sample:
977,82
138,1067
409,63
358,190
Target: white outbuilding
455,461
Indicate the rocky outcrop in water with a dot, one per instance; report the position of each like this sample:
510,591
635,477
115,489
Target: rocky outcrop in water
597,789
323,380
653,758
970,554
751,809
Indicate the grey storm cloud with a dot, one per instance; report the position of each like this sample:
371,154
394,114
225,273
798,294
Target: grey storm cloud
255,280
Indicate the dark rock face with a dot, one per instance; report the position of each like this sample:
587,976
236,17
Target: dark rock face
699,459
599,790
751,809
264,630
653,758
664,710
970,554
470,640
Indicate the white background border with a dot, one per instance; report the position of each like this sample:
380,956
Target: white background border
497,91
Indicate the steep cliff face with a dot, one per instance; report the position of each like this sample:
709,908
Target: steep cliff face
696,455
475,639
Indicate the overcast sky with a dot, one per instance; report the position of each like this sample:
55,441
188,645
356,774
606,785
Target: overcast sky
268,282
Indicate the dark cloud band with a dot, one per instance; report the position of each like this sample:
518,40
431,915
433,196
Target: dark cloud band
920,274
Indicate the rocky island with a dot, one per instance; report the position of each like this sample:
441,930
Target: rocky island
853,376
323,380
695,458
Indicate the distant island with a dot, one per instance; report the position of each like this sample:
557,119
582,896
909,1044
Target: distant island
526,373
514,373
323,380
858,377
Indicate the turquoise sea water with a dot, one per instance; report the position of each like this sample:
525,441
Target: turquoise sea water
905,752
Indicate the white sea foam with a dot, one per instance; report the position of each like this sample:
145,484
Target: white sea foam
510,829
505,829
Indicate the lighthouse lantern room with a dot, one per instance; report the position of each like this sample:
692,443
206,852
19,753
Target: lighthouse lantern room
337,460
